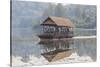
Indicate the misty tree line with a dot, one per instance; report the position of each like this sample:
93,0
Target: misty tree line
55,10
82,16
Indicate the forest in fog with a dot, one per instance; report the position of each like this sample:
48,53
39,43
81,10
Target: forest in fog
27,16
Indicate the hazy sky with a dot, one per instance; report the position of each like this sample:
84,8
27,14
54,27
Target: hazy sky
89,2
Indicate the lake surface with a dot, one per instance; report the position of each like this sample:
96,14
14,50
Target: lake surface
39,52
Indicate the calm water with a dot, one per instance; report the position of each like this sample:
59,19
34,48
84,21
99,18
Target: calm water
27,48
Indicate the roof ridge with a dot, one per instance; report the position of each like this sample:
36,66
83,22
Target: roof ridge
60,21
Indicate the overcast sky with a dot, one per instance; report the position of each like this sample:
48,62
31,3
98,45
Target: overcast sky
88,2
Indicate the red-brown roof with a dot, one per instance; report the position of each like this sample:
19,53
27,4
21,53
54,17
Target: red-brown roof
59,21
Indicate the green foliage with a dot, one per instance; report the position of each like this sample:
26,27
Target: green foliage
60,10
85,16
55,10
81,16
49,11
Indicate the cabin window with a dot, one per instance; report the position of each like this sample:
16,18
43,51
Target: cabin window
70,29
48,29
63,29
59,29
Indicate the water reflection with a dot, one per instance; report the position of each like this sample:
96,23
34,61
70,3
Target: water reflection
86,47
25,49
58,49
54,50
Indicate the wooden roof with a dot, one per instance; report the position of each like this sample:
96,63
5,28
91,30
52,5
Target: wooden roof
59,21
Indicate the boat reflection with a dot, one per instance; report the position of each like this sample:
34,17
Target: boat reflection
53,50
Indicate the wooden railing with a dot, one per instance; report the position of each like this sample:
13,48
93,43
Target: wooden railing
56,34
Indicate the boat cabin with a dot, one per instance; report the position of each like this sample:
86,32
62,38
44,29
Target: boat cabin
56,27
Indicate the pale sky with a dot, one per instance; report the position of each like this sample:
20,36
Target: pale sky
85,2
